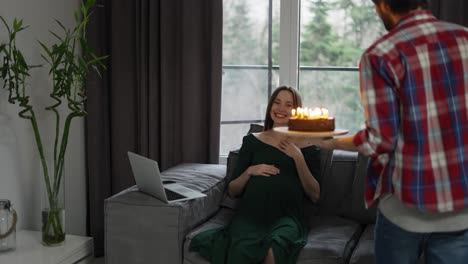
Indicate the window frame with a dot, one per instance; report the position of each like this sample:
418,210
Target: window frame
289,42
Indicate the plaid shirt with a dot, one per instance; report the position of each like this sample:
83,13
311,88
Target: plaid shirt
414,88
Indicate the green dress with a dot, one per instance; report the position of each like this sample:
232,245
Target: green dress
270,214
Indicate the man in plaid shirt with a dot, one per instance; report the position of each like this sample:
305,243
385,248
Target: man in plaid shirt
414,89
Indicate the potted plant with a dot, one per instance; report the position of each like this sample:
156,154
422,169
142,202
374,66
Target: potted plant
70,59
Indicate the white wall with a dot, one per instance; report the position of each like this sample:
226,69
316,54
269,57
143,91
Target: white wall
20,171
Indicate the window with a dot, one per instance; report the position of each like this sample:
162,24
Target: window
318,50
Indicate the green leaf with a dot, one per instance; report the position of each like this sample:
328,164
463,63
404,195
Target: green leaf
20,60
45,58
60,24
5,24
45,49
55,35
84,9
75,14
90,3
21,29
15,24
97,59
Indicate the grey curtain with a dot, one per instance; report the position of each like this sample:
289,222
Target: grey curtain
160,96
450,10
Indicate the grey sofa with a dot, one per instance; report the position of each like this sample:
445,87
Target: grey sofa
142,229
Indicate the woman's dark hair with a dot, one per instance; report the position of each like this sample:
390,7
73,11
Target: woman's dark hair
403,6
297,102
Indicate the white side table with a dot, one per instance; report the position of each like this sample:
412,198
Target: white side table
29,250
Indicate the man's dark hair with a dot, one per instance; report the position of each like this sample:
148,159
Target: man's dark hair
404,6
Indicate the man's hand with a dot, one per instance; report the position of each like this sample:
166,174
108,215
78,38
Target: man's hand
305,141
344,143
327,143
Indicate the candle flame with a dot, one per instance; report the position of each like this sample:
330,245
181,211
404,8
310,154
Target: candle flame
309,113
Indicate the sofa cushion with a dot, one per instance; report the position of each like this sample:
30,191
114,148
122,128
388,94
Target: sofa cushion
255,128
139,227
331,239
231,163
337,183
364,251
200,177
311,208
228,201
358,211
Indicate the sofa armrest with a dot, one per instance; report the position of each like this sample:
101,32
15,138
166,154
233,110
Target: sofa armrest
231,163
139,227
228,201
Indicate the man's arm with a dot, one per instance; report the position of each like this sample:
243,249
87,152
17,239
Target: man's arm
344,143
381,110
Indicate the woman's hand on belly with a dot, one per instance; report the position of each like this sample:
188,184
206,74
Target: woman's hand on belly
263,170
236,187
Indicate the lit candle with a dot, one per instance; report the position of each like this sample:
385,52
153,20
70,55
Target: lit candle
309,113
324,112
315,113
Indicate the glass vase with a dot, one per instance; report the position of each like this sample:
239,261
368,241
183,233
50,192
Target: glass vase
53,226
8,220
53,209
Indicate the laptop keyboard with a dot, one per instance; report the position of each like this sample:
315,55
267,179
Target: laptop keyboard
172,195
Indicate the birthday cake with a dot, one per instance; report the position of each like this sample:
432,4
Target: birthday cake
316,120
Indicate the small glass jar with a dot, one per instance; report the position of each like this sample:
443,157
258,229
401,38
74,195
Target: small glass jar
8,219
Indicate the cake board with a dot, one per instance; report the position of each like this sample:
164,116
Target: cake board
326,134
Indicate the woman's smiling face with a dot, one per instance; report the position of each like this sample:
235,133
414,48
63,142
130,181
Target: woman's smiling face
281,108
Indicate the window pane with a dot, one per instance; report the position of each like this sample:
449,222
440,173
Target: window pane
336,32
336,91
245,32
245,94
231,137
244,98
245,65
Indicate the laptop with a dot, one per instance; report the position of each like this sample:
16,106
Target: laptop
148,180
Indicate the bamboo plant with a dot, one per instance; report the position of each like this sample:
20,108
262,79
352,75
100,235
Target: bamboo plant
70,59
